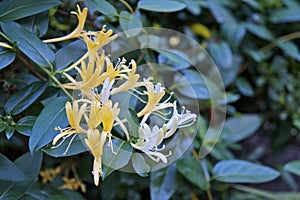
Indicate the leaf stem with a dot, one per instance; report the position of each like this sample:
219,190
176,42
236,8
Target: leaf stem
127,6
61,86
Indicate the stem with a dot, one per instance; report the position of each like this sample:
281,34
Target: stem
31,68
61,86
127,6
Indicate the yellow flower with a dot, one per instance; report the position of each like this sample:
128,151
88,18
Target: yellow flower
95,117
131,81
74,115
89,75
109,114
78,30
155,94
73,184
95,142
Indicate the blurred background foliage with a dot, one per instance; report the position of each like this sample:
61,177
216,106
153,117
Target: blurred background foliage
255,46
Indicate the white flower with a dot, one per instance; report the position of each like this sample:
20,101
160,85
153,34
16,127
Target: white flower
105,92
148,142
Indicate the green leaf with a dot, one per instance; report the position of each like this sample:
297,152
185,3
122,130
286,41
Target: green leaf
130,21
221,14
9,131
260,31
244,87
163,183
75,148
140,165
234,33
192,6
133,123
3,125
173,58
103,7
161,6
37,24
239,128
16,9
6,57
285,15
30,166
289,48
192,171
240,171
69,54
25,125
43,131
25,97
293,167
118,159
221,54
29,44
9,171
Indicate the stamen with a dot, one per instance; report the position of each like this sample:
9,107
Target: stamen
69,144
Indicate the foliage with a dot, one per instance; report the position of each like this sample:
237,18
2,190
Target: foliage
254,45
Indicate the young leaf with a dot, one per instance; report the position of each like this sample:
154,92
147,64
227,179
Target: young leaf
293,167
161,6
240,171
29,44
43,131
25,125
16,9
30,166
9,171
21,100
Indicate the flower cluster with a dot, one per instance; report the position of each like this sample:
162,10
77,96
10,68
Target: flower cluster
95,114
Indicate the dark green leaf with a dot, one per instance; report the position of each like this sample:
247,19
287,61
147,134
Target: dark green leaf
43,131
24,98
69,54
285,15
16,9
259,31
3,125
163,183
289,48
191,170
239,128
221,14
133,123
173,58
37,24
258,56
6,57
161,6
240,171
102,6
29,44
130,21
9,171
120,158
234,33
140,165
293,167
192,6
30,166
25,125
229,74
77,146
221,54
244,87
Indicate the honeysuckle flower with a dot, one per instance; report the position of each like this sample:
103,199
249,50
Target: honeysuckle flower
148,142
89,75
106,89
81,15
131,82
95,117
155,94
5,45
74,115
95,142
